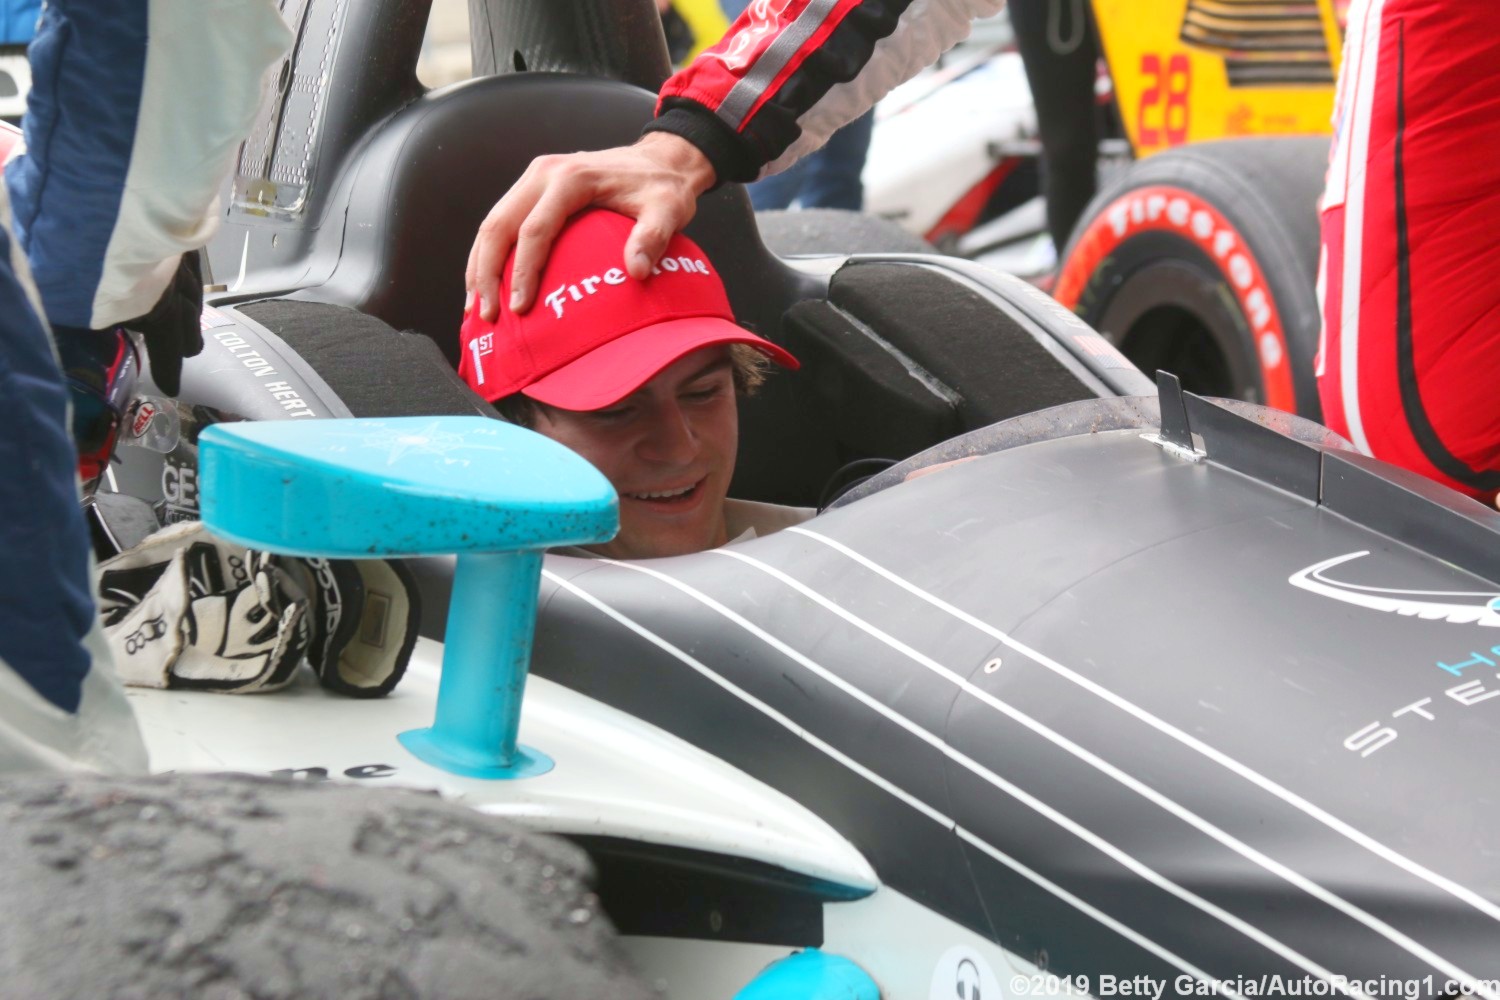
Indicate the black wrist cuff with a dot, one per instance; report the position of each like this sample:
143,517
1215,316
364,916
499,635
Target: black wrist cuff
728,153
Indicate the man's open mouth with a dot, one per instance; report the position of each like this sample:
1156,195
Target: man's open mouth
672,497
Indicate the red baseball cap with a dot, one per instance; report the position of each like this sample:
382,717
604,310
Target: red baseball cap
595,334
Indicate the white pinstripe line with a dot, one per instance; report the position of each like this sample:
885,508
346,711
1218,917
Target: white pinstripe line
937,817
1103,918
745,696
1244,771
1178,810
1019,794
1357,125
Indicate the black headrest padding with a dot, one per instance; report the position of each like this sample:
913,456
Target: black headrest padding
786,452
998,367
872,402
376,370
428,177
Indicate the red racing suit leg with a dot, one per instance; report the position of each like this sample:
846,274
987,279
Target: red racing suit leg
1410,358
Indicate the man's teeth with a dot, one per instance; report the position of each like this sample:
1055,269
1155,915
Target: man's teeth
661,496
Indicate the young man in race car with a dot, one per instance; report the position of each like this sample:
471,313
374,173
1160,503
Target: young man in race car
1407,360
640,377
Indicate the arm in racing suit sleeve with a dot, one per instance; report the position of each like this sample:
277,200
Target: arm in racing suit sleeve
61,708
127,155
791,72
115,188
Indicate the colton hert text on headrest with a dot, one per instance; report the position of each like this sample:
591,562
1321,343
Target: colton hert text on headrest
558,298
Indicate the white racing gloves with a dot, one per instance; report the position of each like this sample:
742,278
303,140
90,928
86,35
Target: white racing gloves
363,624
184,609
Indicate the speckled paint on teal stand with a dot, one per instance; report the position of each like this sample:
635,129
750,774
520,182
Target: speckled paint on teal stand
409,486
493,493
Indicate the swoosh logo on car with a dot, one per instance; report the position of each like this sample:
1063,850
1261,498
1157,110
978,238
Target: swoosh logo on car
1462,607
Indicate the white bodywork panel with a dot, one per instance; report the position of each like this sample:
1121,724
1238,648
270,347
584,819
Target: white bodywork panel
911,952
614,776
927,152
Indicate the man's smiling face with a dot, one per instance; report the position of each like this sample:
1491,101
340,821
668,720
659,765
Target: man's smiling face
669,449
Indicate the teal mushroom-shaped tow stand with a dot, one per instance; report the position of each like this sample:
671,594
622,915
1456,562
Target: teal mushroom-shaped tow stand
495,494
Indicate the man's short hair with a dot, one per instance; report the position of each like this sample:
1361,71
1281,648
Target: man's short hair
748,365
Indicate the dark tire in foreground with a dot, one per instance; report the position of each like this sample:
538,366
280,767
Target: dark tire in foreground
833,230
1203,261
229,886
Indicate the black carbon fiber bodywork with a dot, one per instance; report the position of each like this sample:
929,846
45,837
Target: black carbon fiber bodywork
1219,707
1075,679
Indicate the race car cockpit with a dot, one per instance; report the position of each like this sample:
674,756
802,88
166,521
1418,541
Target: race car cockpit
1114,698
351,216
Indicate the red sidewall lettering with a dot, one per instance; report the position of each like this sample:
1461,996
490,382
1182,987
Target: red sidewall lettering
1162,208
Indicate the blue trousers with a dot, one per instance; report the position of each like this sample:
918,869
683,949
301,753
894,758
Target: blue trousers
46,595
827,178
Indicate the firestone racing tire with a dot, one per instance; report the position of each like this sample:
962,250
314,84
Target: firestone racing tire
1202,261
221,886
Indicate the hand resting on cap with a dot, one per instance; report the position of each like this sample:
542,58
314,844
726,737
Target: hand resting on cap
657,181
